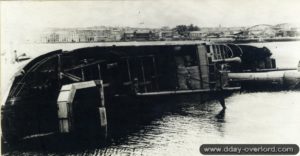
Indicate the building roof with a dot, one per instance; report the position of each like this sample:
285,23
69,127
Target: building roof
142,31
129,32
196,32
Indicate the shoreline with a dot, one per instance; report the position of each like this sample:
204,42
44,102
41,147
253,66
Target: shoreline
218,40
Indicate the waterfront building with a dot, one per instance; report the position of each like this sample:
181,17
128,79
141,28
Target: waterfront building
194,35
128,35
166,34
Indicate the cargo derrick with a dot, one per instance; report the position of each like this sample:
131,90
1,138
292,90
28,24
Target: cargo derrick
56,91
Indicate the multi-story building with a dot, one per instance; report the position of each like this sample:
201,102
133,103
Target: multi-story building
101,35
165,34
195,35
128,35
50,37
116,35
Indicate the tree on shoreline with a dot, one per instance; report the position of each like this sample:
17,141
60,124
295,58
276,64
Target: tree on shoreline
185,29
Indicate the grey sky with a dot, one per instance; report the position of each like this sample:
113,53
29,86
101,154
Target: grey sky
19,17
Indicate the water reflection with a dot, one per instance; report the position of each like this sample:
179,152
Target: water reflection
139,126
221,116
180,127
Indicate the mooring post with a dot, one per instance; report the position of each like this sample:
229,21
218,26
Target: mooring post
222,100
221,96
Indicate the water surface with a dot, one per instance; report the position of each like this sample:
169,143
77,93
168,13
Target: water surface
180,128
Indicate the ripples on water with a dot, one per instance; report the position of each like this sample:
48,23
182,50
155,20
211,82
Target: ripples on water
180,129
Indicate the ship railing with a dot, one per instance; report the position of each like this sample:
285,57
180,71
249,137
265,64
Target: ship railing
224,53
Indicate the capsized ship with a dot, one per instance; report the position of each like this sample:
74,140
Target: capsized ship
69,91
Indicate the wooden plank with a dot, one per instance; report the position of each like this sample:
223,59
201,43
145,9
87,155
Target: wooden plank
63,110
81,66
64,126
176,92
103,120
65,104
203,65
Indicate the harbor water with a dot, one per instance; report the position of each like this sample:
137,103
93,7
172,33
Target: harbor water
181,127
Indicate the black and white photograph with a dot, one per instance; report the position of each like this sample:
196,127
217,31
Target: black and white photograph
150,77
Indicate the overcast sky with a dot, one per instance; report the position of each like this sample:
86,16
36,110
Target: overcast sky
22,17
